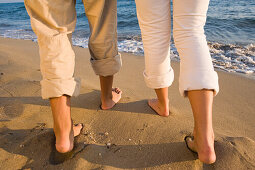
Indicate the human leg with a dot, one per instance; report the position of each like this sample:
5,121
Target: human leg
198,80
154,21
109,96
196,68
201,103
56,62
161,104
64,132
105,59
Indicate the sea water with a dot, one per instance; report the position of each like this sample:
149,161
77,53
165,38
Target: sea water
230,31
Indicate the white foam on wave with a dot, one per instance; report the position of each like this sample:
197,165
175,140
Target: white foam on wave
18,34
130,46
233,58
227,57
81,42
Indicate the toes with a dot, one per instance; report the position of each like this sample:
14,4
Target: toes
190,143
120,92
79,125
117,90
77,129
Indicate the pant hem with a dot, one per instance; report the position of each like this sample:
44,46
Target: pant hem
56,88
107,66
157,82
199,80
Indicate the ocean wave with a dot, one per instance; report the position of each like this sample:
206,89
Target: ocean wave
227,57
5,25
81,15
25,34
233,58
130,23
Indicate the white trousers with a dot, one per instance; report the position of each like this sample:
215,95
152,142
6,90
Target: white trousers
189,17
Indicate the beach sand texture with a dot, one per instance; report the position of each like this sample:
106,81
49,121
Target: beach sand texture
131,135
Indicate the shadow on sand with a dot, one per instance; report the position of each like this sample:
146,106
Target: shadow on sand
36,144
14,106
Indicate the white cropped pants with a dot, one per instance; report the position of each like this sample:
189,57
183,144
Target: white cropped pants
189,17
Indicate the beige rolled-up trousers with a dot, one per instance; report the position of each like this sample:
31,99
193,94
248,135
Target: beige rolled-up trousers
53,22
189,17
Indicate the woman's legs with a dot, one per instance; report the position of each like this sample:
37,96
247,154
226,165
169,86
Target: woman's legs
155,23
161,104
196,68
196,72
201,102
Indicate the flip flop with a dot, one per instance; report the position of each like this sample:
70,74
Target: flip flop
186,142
58,157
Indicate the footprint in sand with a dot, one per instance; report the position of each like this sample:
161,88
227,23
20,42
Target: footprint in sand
13,108
235,153
36,144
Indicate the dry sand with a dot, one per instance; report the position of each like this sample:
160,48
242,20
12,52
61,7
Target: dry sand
137,137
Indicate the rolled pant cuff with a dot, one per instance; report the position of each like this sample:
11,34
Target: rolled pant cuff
199,80
157,82
107,66
58,87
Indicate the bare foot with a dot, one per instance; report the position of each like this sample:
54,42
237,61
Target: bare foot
65,139
77,129
204,148
110,102
162,110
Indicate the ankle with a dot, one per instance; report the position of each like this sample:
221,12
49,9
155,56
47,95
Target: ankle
61,130
106,96
62,125
207,139
106,101
164,104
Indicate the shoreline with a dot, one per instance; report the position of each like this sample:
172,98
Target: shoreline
175,58
138,137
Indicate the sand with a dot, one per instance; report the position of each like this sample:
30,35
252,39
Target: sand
131,135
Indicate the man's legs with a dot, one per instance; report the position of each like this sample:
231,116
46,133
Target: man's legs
64,133
105,59
109,96
57,62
